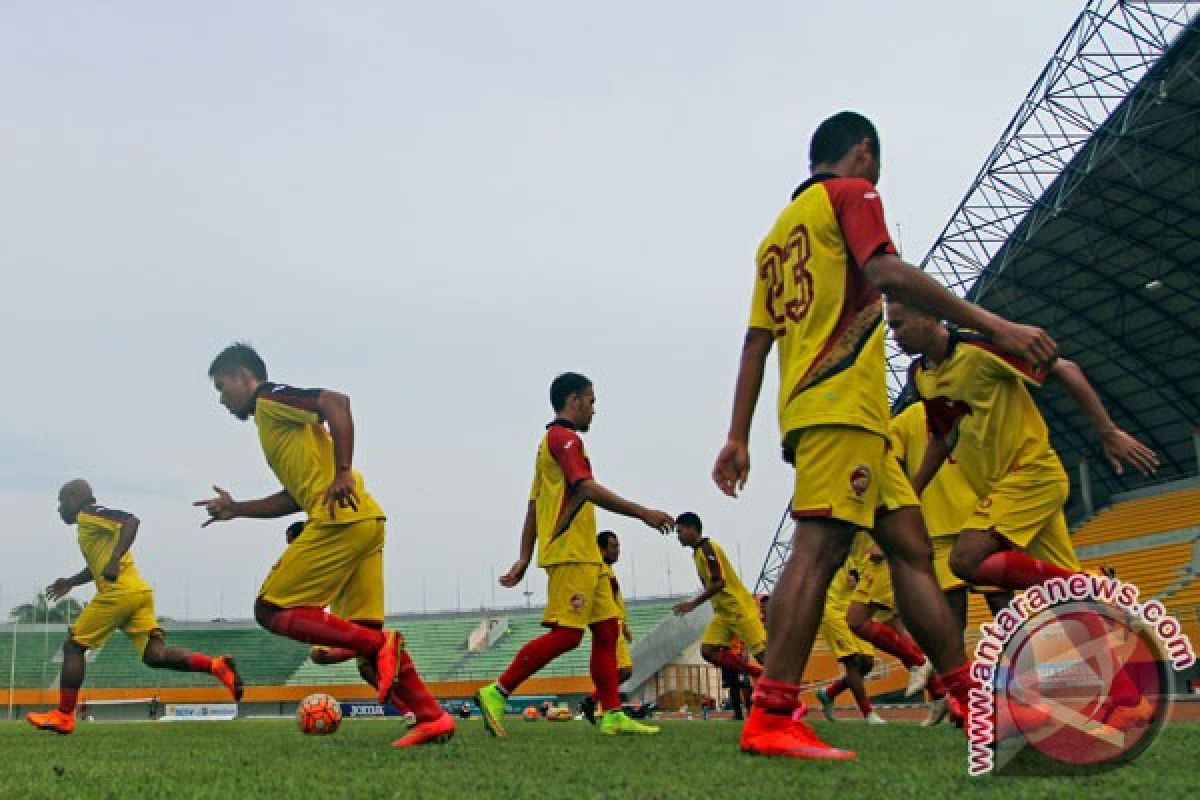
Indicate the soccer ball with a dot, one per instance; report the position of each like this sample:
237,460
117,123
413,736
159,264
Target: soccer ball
318,714
531,714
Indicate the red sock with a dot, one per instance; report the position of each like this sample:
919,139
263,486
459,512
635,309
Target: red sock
412,692
198,662
835,688
935,687
603,664
958,683
315,626
1012,569
67,698
776,697
887,640
339,654
725,659
864,705
1121,690
536,654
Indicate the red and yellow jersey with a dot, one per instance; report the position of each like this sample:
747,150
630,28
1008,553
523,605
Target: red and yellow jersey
99,529
299,451
566,525
712,565
998,427
826,317
608,573
948,499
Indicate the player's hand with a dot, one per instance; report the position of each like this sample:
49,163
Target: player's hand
1027,341
219,508
341,493
515,574
1120,447
628,634
661,521
59,589
684,607
110,572
732,469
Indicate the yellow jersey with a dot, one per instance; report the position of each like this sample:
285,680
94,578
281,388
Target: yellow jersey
299,450
811,294
99,529
998,428
712,565
608,573
566,526
948,499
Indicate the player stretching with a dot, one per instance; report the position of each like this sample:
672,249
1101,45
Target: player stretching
735,611
819,274
561,520
123,600
979,409
307,436
610,551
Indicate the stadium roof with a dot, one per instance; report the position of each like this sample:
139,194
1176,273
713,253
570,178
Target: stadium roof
1086,221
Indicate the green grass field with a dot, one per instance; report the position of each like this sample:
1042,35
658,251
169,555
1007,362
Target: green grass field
270,758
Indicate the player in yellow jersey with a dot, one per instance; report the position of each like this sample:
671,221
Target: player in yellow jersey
871,613
735,611
819,275
981,412
123,601
855,654
561,520
307,436
610,551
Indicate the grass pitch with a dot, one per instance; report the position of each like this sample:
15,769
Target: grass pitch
689,759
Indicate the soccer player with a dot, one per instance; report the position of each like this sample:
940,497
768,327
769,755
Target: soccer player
561,519
855,654
871,613
123,600
610,551
819,274
307,436
980,410
735,611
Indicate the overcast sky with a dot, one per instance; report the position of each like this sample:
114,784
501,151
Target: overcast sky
434,208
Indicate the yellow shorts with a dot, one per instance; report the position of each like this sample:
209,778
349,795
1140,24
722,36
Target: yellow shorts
624,657
577,596
747,627
1028,513
332,565
839,473
896,492
837,635
133,613
874,585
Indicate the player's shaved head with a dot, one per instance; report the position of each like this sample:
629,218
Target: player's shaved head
72,498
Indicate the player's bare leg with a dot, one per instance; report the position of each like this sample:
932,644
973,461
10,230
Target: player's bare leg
74,668
920,601
158,656
818,548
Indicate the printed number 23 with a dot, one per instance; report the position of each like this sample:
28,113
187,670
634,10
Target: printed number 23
776,262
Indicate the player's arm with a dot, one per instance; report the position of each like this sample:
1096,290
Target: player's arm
588,490
712,587
334,408
1119,446
528,539
910,285
129,529
223,507
935,455
732,468
61,587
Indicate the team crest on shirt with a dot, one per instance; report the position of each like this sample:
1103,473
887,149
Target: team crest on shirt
576,601
860,479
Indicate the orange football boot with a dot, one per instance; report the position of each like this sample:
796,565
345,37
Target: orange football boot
778,735
386,663
224,669
53,720
438,730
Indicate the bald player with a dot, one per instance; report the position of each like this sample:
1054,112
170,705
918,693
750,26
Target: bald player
123,601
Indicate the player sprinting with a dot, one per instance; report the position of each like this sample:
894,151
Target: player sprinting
307,436
820,272
980,410
735,611
123,601
610,551
854,653
561,520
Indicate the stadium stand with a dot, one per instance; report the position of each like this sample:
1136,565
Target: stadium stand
1132,518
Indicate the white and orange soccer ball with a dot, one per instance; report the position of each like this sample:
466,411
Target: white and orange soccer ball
531,714
319,715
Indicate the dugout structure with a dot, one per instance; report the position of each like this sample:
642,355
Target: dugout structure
1085,219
